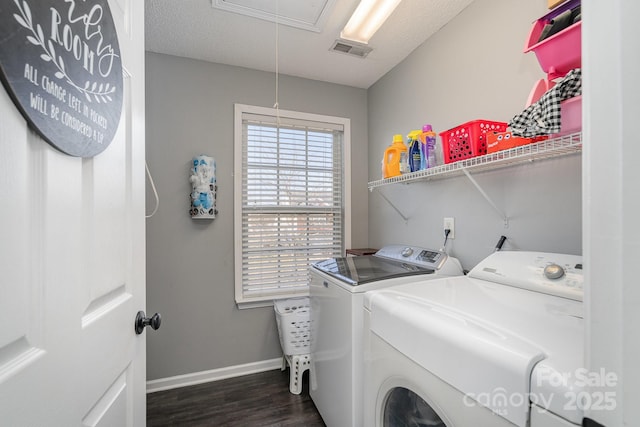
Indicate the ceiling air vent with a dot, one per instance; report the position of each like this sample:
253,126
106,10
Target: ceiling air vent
349,48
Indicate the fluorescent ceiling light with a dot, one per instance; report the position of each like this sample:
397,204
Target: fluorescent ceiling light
367,18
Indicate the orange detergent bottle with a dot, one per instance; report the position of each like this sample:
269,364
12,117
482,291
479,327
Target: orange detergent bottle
394,156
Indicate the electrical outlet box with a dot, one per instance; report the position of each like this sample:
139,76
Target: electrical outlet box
449,224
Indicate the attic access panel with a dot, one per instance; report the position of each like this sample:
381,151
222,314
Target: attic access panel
309,15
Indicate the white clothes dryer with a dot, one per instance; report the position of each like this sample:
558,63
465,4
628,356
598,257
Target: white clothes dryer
502,346
337,289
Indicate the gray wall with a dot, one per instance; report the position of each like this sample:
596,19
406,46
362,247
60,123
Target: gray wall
190,266
473,68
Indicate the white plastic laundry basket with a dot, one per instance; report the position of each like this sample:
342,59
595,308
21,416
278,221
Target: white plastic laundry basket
293,318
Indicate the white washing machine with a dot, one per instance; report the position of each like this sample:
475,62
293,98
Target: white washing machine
502,346
337,288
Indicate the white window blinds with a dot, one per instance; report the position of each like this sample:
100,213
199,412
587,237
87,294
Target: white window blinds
292,203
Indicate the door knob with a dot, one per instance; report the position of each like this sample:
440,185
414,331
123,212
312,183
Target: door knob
142,321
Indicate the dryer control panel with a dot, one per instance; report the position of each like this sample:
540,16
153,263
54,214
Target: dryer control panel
549,273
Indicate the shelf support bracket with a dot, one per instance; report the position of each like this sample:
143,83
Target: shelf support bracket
406,220
486,197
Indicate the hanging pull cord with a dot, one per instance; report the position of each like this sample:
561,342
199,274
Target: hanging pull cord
277,105
155,192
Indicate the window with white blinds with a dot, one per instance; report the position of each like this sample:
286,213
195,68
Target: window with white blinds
290,199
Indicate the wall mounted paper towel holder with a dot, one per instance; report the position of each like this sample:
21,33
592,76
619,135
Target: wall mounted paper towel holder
203,188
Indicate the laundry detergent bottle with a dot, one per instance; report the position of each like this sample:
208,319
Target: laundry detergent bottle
415,151
428,145
394,156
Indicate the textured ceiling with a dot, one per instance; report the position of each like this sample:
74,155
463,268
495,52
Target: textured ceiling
195,29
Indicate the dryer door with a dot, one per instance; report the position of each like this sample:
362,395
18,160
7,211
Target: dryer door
403,408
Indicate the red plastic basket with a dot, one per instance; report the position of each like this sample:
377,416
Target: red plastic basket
468,139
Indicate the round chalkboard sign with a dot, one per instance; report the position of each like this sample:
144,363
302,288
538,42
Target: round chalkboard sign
60,63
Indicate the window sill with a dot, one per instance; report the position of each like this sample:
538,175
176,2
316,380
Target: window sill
254,304
242,305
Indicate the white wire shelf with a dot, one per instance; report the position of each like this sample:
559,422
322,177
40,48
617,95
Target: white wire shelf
555,147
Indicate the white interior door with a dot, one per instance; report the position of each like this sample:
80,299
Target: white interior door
72,265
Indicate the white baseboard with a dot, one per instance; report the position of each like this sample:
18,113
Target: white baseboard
212,375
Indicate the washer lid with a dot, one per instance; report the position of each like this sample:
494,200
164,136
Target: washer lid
359,270
483,338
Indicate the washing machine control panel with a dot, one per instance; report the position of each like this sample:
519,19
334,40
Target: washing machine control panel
423,257
550,273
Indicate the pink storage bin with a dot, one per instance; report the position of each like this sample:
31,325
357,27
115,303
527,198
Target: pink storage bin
571,114
561,52
570,109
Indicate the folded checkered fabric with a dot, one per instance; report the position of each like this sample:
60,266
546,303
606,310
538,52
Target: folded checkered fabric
543,117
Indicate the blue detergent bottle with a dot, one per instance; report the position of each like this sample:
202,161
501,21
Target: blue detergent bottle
416,160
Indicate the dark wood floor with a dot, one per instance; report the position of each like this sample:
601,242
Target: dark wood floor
261,399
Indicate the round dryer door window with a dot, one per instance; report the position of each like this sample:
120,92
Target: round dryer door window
405,408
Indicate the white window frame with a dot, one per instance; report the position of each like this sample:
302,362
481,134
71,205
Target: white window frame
240,110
